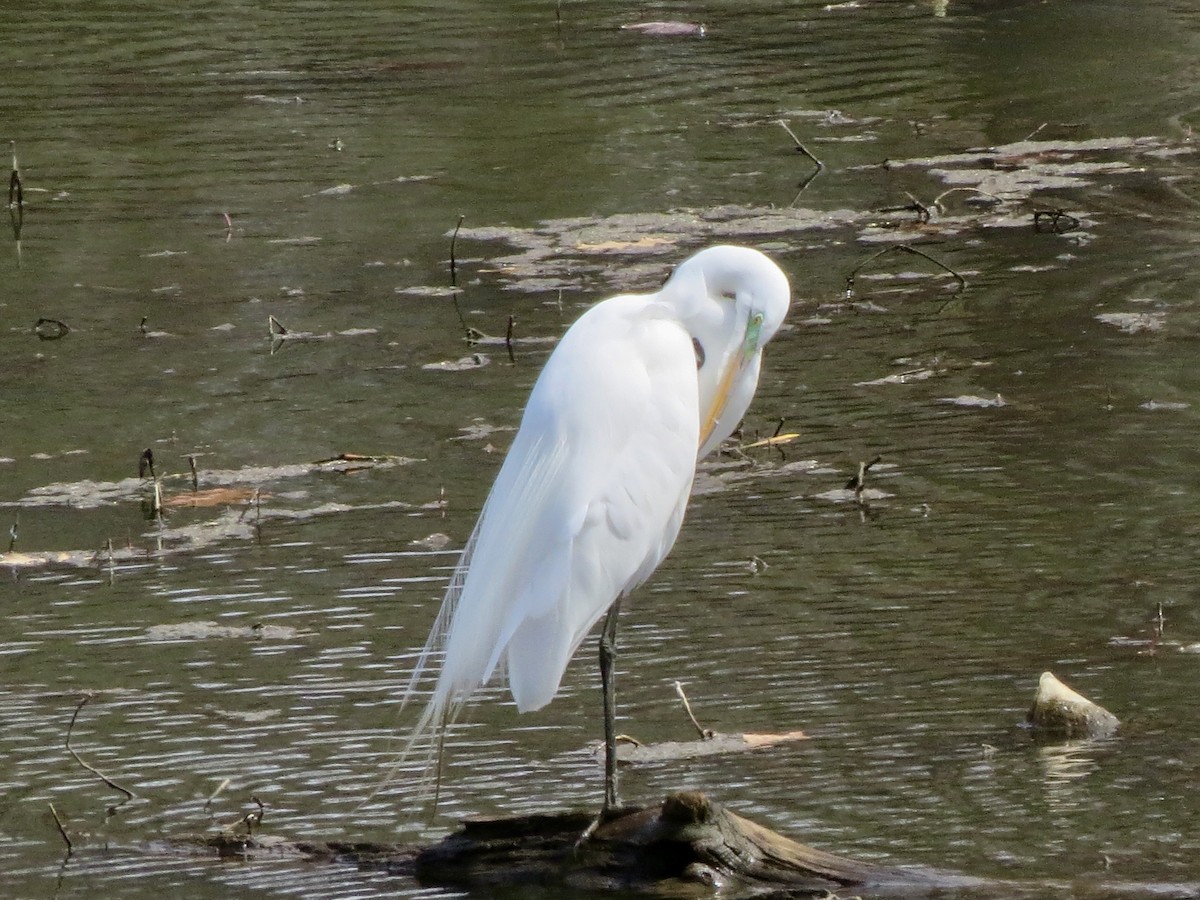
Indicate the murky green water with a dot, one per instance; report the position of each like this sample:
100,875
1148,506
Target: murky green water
1039,487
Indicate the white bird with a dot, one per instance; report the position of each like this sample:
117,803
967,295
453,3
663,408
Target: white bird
592,493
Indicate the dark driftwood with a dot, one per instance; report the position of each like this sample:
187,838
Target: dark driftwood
688,841
688,846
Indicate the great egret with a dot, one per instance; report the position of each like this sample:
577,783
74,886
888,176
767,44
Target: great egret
591,495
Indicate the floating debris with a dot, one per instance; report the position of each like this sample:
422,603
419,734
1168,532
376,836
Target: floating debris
220,496
667,29
714,745
93,494
642,243
907,377
435,541
466,363
975,401
1155,405
849,495
194,631
1132,323
427,290
296,241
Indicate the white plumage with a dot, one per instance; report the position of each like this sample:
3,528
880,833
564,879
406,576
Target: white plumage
592,493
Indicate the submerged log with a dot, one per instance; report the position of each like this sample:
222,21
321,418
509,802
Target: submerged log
1061,712
688,840
687,845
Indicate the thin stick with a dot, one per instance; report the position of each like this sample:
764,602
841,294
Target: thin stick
858,481
454,278
129,795
61,830
12,535
800,148
937,201
213,796
962,282
1029,136
453,252
508,336
195,475
15,192
1054,216
249,503
705,733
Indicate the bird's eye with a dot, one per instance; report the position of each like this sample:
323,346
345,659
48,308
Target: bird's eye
698,347
757,319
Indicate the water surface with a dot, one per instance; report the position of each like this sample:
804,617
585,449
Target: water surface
1037,495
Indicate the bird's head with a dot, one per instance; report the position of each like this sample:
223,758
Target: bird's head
731,300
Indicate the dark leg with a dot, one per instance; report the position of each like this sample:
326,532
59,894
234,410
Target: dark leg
608,656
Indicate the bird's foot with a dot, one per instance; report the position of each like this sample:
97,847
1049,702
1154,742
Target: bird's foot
606,815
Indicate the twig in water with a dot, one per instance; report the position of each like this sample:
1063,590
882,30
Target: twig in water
453,252
1054,217
508,334
146,463
922,211
12,534
195,475
905,248
800,148
937,201
705,733
467,330
1031,134
213,796
228,227
251,819
62,830
858,481
257,504
16,194
1160,623
16,210
129,795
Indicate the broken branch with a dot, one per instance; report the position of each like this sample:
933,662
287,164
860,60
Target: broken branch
905,248
705,733
129,795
